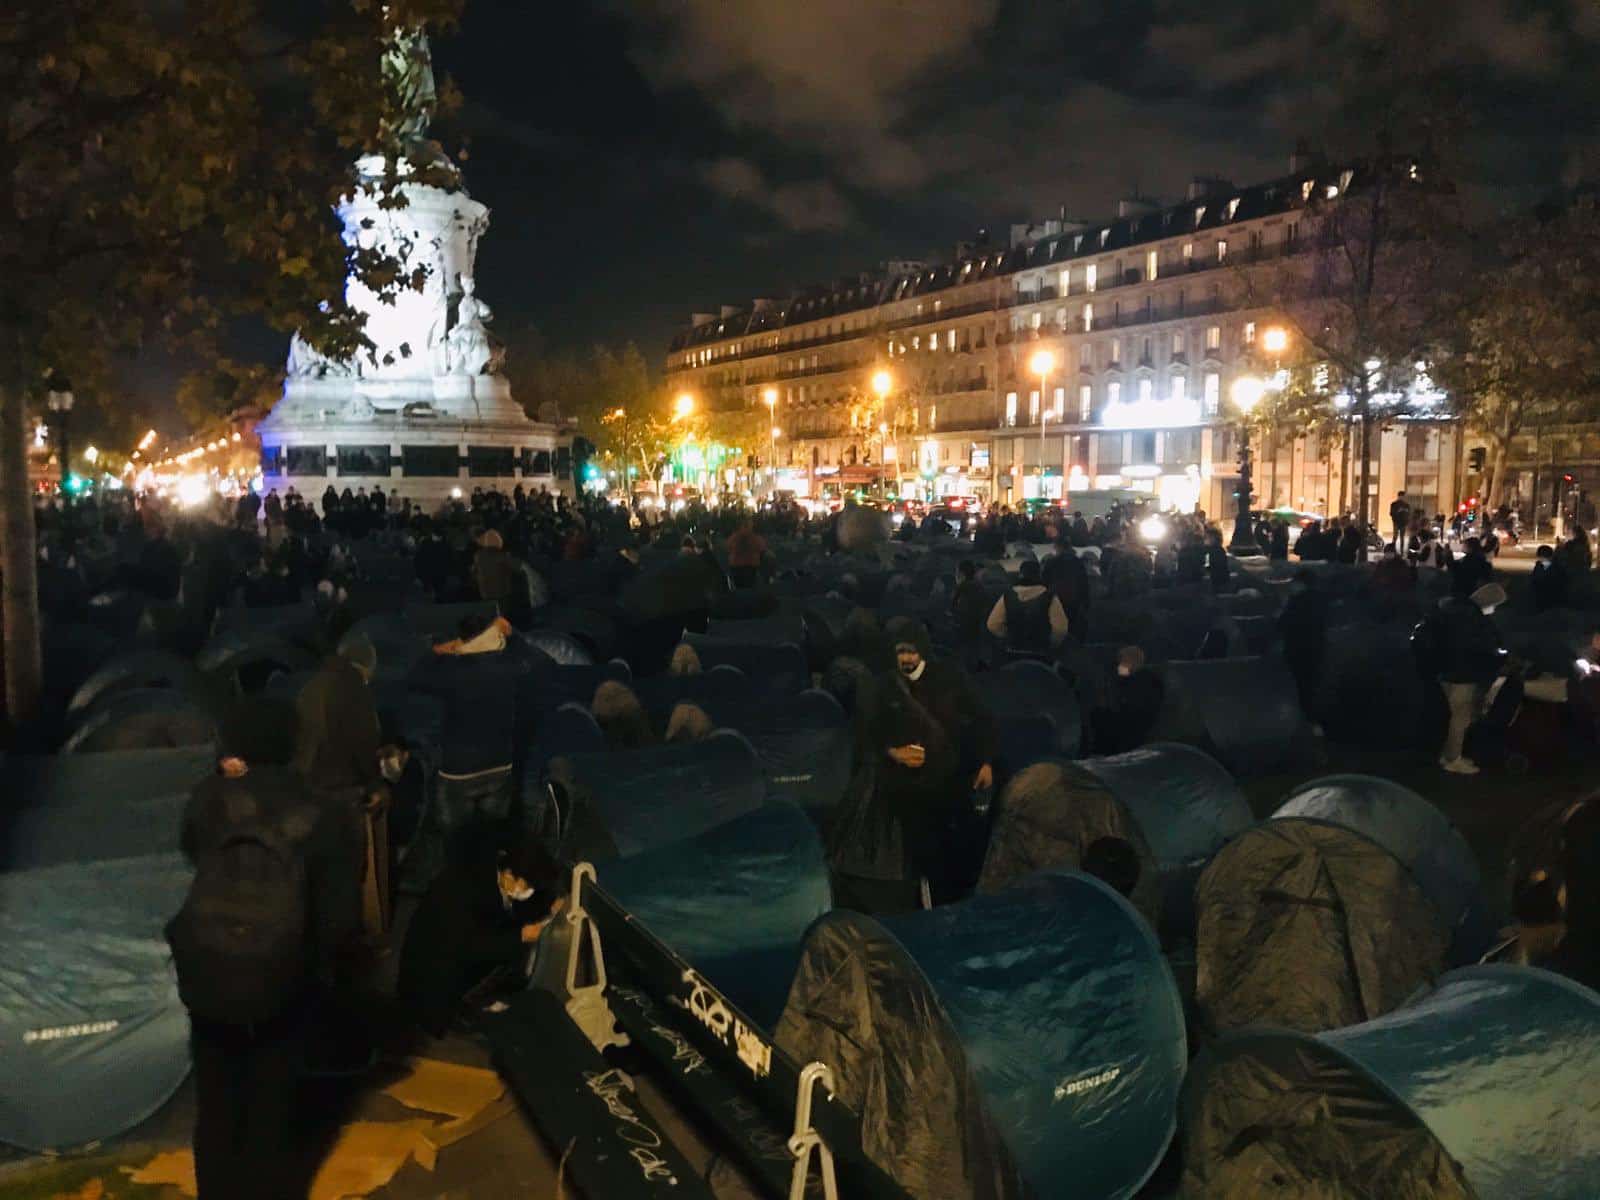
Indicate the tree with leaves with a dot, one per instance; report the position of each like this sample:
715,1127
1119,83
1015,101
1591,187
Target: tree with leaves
165,170
1524,354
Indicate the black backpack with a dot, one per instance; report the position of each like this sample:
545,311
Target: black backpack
239,942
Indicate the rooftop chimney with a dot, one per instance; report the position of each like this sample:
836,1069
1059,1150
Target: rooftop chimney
729,310
699,319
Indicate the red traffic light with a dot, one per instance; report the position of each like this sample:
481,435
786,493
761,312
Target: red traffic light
1473,500
1566,479
1462,507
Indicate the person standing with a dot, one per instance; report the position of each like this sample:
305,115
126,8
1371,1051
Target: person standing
272,909
1464,649
746,551
1400,519
1028,617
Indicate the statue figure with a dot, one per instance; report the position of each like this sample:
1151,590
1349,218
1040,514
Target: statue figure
468,351
408,72
307,362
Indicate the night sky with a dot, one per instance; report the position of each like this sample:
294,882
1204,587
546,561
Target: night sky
644,158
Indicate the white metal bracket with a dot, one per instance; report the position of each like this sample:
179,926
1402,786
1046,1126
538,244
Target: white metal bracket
586,1003
805,1139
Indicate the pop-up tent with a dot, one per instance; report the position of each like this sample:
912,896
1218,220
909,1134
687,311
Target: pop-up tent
95,1036
624,802
770,667
1035,710
1483,1089
1308,925
1244,712
806,748
136,669
724,693
1175,805
734,902
1029,1043
141,719
1417,834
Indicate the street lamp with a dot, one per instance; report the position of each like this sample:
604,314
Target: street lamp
883,452
59,400
769,397
683,406
1246,392
1041,364
882,383
1275,340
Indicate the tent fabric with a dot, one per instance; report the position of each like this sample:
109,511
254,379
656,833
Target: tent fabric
96,1037
1369,692
724,692
1245,712
1308,925
772,668
734,902
622,803
806,747
1029,1043
1187,806
552,686
1417,834
140,668
563,648
229,652
141,719
1482,1089
1028,690
1048,815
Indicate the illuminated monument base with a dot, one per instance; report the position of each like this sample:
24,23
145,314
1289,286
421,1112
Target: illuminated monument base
426,412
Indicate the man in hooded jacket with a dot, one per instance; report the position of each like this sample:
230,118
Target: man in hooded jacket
933,742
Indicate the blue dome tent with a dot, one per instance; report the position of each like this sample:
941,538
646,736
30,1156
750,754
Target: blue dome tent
141,719
96,1037
1029,1043
734,902
619,803
1173,803
806,748
1417,834
1243,711
1483,1089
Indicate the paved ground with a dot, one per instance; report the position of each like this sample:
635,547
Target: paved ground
508,1158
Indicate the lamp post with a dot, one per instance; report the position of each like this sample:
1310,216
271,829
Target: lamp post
59,400
1246,393
1041,364
769,397
1275,340
882,383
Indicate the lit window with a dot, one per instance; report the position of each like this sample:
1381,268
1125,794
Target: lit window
1177,343
1105,236
916,341
937,305
1188,252
1199,215
1213,392
1331,191
1033,407
1222,249
1066,280
1305,190
933,416
1150,264
1091,274
1037,319
1085,401
1214,337
1011,408
1088,318
1116,351
950,340
1146,390
1180,388
1058,404
1061,318
1113,394
1233,207
1249,333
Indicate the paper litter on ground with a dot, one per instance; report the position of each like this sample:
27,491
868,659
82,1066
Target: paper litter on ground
367,1156
174,1168
441,1087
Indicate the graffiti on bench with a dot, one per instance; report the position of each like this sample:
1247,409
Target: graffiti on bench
682,1051
708,1007
642,1141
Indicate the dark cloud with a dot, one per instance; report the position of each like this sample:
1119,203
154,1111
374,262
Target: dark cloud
808,206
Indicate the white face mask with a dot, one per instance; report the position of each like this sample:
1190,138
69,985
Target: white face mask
392,769
525,894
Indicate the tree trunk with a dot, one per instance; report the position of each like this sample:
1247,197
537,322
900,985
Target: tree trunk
19,611
1495,485
1365,499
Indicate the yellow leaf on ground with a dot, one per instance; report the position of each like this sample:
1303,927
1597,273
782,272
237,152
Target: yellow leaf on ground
441,1087
93,1189
175,1168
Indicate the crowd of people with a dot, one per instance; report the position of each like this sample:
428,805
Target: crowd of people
325,786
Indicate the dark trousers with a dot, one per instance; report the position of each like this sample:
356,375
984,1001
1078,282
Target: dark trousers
458,802
244,1082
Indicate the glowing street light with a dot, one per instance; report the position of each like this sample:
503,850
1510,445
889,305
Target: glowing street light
882,383
683,406
769,397
1041,364
1246,392
1275,340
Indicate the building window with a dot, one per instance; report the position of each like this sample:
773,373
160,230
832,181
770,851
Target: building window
1144,448
1037,319
950,340
1188,253
536,462
1066,281
1222,249
1113,394
1177,343
1085,402
1146,391
1033,408
1213,337
1180,388
1061,319
363,460
1150,264
1199,215
1091,275
1233,207
1086,357
1291,233
1249,333
1213,393
1088,318
1255,241
1058,405
916,341
1116,352
1011,408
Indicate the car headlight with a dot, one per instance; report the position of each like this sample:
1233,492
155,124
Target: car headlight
1152,529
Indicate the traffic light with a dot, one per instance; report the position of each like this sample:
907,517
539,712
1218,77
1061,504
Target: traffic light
1566,479
1477,458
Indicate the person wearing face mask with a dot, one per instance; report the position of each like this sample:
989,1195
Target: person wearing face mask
935,741
492,900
